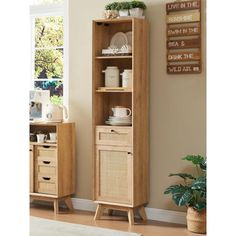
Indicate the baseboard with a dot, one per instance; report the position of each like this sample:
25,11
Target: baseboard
152,213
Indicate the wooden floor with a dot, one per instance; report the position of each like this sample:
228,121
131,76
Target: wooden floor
149,228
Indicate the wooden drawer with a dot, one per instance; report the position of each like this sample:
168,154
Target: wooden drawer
46,152
49,188
116,136
46,170
47,178
46,184
46,161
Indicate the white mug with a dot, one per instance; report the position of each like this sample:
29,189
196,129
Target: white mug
53,136
121,111
41,138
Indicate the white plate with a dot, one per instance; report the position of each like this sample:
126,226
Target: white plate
120,118
50,141
118,40
118,123
129,37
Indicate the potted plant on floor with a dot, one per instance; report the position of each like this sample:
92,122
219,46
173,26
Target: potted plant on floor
111,10
192,194
123,8
137,8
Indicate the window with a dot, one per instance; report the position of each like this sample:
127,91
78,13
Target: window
48,49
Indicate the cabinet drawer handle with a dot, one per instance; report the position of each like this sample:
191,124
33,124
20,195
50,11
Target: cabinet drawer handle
46,178
47,162
31,150
113,131
129,153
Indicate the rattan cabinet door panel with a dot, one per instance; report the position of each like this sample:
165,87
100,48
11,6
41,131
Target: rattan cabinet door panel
114,174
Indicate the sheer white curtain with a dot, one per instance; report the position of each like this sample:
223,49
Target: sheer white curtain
42,2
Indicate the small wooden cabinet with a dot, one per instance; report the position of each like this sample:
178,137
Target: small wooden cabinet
52,165
121,153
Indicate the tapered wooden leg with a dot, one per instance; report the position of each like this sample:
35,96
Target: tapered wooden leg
131,216
99,212
142,213
69,204
56,206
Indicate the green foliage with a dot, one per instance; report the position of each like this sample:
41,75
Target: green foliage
49,32
138,4
56,100
193,192
48,43
123,6
48,64
112,6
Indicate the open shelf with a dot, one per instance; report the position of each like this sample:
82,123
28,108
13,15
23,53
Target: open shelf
113,90
114,57
44,144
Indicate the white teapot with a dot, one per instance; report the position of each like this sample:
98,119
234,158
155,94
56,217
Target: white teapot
55,113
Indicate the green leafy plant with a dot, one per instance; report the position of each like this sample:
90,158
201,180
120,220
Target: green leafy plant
123,6
138,4
112,6
192,193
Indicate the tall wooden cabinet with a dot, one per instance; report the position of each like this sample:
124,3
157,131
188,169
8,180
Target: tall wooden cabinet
52,165
121,153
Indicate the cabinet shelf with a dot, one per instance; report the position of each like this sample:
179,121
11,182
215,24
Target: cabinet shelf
113,90
114,57
44,144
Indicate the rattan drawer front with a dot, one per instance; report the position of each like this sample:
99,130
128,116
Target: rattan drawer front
46,170
47,161
114,174
46,151
46,184
114,136
47,178
49,188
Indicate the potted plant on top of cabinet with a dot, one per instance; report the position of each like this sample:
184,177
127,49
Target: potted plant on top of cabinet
111,10
137,8
123,8
192,194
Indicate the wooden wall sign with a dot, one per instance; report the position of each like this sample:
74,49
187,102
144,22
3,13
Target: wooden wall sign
183,56
181,6
183,32
185,43
183,18
180,69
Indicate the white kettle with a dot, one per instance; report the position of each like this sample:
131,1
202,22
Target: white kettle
55,113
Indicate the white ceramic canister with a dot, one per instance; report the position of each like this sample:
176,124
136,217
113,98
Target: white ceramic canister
111,76
127,78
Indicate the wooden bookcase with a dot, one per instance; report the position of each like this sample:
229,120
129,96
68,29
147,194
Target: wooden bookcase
52,165
121,153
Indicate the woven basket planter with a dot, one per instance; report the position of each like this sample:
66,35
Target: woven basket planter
196,221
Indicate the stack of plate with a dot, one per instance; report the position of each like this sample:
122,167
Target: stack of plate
114,120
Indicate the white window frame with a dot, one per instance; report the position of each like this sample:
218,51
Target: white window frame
56,9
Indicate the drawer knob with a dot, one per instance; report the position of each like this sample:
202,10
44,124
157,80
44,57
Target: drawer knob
129,153
47,162
46,178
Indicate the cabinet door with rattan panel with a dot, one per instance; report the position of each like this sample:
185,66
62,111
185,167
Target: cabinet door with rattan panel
114,174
